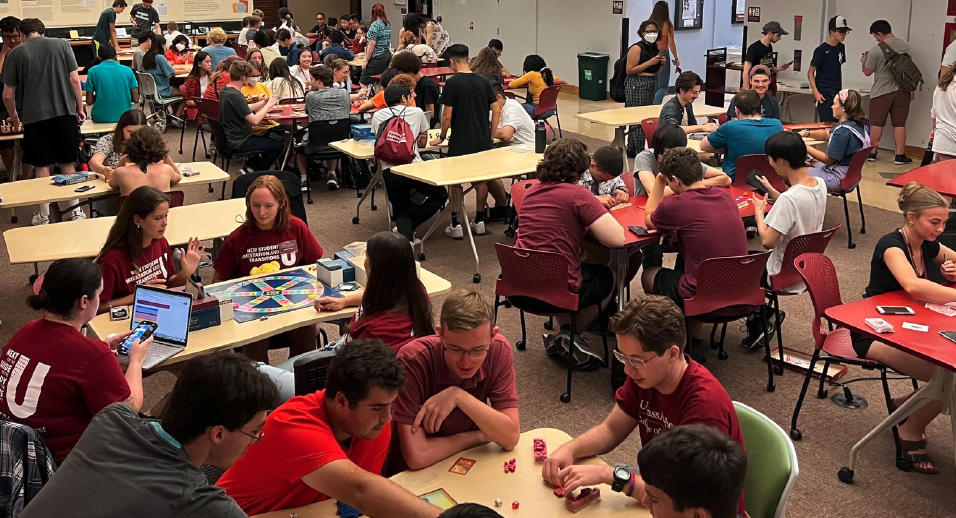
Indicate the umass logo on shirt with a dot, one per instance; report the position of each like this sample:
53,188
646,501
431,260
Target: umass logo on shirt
654,421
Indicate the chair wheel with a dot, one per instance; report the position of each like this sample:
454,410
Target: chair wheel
796,434
771,387
476,278
565,398
822,394
421,257
901,464
509,233
863,230
374,207
722,355
549,325
309,201
211,189
520,345
851,246
778,370
845,475
355,220
33,278
14,219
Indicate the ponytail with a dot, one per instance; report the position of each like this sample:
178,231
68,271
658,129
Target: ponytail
548,76
65,283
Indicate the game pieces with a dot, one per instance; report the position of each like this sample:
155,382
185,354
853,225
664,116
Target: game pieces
497,502
540,450
346,511
462,466
510,466
584,498
312,296
514,505
559,492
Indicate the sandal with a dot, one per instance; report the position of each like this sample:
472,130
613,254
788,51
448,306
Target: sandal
915,459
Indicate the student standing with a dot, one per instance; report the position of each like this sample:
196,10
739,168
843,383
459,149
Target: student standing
379,35
666,44
111,88
10,32
826,72
144,18
466,99
680,109
886,98
760,52
644,62
944,117
105,33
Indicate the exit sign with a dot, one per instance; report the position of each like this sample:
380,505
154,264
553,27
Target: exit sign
753,14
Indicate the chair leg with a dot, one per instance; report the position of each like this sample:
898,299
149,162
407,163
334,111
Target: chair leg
822,392
775,300
523,344
721,353
196,141
915,384
795,433
556,116
849,232
182,136
497,304
603,321
896,433
859,199
566,397
766,343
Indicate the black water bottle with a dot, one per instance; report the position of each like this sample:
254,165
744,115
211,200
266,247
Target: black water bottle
540,137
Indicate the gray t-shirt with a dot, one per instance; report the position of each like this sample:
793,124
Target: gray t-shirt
40,69
127,466
327,104
647,161
883,82
233,109
146,18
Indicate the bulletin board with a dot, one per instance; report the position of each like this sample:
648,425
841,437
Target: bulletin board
85,13
688,15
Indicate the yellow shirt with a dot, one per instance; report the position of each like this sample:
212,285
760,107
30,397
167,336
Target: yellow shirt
260,90
534,81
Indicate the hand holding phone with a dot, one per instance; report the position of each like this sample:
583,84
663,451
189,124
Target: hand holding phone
142,331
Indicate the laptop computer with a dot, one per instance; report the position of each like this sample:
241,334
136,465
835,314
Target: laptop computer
170,310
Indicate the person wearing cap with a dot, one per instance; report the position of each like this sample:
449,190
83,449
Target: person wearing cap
760,83
887,99
760,52
825,73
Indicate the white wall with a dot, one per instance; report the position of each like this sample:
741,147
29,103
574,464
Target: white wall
568,27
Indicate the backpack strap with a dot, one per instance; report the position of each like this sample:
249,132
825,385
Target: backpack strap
864,138
887,50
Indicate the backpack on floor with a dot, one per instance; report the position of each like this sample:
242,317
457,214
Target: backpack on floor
395,142
904,71
617,80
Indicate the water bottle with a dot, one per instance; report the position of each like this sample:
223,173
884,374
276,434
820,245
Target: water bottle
540,137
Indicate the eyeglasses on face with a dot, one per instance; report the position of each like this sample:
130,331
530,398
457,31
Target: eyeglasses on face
636,363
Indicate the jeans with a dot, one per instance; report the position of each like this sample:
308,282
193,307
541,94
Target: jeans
269,150
663,80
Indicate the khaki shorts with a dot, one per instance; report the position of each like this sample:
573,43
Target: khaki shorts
895,105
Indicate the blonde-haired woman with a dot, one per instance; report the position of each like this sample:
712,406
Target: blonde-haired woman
944,117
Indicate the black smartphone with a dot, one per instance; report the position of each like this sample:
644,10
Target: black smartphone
641,231
83,188
417,197
949,335
143,331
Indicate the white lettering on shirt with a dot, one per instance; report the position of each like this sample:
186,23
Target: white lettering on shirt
286,252
34,387
152,270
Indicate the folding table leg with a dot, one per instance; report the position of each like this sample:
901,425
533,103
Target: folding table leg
377,177
458,205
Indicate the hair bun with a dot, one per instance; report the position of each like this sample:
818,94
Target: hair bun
905,193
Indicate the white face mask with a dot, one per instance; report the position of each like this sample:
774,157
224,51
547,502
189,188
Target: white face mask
253,81
650,37
180,47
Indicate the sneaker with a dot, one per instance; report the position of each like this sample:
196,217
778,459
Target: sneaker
176,123
477,227
77,215
871,157
902,160
332,181
551,346
584,358
455,232
755,334
751,232
39,219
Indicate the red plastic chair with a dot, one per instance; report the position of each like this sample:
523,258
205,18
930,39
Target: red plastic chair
628,179
548,102
728,288
834,345
176,199
649,126
850,183
722,118
542,276
241,51
749,163
518,191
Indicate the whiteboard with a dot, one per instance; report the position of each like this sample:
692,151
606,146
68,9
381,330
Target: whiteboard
83,13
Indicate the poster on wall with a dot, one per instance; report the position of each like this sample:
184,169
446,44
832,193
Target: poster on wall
753,14
949,35
951,8
797,27
739,13
688,15
617,7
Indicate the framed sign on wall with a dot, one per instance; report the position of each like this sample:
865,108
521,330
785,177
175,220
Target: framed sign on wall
739,11
688,15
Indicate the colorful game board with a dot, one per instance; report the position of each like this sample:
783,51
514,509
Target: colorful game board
272,293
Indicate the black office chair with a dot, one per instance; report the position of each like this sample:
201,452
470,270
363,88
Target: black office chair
224,152
321,133
311,370
289,181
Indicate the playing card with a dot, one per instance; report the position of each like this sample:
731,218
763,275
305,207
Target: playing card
943,309
462,466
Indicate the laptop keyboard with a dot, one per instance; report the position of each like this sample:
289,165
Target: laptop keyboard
160,351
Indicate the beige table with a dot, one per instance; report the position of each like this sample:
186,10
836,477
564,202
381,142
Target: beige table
231,334
786,91
695,144
358,61
95,128
486,481
454,172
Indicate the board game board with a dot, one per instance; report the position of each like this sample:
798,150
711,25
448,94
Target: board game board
271,294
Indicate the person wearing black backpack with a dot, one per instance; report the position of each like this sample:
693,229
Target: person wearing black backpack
887,97
644,62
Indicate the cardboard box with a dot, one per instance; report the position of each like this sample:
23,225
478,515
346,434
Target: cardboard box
334,271
358,263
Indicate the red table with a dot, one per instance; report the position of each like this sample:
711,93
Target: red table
928,346
939,177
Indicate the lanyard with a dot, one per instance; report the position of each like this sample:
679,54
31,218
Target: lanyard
913,256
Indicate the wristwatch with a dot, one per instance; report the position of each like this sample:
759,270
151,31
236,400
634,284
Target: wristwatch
622,476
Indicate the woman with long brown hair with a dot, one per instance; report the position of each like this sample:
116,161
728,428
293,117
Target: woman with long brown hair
486,64
667,44
944,117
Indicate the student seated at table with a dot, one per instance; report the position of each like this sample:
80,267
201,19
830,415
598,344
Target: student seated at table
113,85
125,464
413,202
692,470
402,63
760,83
155,64
322,103
110,148
603,177
146,162
249,24
66,378
515,125
337,48
903,261
705,218
179,52
216,48
172,30
270,233
359,41
745,135
850,135
486,63
255,58
255,91
219,79
469,510
331,444
647,162
300,69
264,41
342,81
136,250
664,388
288,48
144,39
556,216
680,109
238,118
537,76
283,84
459,387
196,83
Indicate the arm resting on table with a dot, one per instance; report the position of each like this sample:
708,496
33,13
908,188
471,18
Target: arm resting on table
372,494
421,451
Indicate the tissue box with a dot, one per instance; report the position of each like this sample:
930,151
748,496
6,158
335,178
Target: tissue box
205,314
358,263
334,271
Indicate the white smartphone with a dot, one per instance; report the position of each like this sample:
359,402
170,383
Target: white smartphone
895,310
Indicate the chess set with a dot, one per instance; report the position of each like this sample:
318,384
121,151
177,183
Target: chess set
9,129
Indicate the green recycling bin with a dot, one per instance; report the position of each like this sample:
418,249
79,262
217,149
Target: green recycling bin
592,76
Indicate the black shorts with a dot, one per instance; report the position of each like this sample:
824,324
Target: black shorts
861,344
597,282
51,141
667,283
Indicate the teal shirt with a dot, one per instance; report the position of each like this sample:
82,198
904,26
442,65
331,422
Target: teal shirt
102,33
742,137
111,82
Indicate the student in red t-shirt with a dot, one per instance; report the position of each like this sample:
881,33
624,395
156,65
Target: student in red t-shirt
664,388
136,250
330,444
270,233
460,387
556,216
55,379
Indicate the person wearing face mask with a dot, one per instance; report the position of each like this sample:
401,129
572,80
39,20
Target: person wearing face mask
179,52
644,62
256,90
760,52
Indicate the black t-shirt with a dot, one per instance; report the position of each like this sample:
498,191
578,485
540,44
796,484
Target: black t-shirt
828,60
673,113
760,54
233,109
426,92
648,52
881,279
470,96
145,19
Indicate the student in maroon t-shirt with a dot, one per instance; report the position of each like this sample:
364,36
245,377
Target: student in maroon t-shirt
664,388
330,444
460,387
270,233
55,379
556,215
136,250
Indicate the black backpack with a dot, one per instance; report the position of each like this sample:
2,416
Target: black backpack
617,80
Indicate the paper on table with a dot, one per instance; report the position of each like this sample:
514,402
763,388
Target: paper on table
523,148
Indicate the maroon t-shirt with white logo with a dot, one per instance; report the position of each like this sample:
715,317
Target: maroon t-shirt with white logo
120,277
246,249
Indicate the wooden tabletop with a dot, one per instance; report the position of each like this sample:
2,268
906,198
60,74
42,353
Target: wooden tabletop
938,176
502,162
92,128
14,136
288,113
618,117
358,61
231,334
84,238
42,190
487,481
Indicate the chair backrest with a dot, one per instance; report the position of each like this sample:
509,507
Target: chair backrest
548,100
724,282
147,85
722,118
536,274
628,179
219,134
519,190
820,276
290,181
759,163
323,132
208,108
772,466
176,199
292,100
855,172
649,126
815,242
241,51
310,371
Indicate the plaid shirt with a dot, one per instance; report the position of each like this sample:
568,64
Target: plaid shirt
25,466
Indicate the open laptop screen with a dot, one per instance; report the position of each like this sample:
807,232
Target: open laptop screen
168,309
